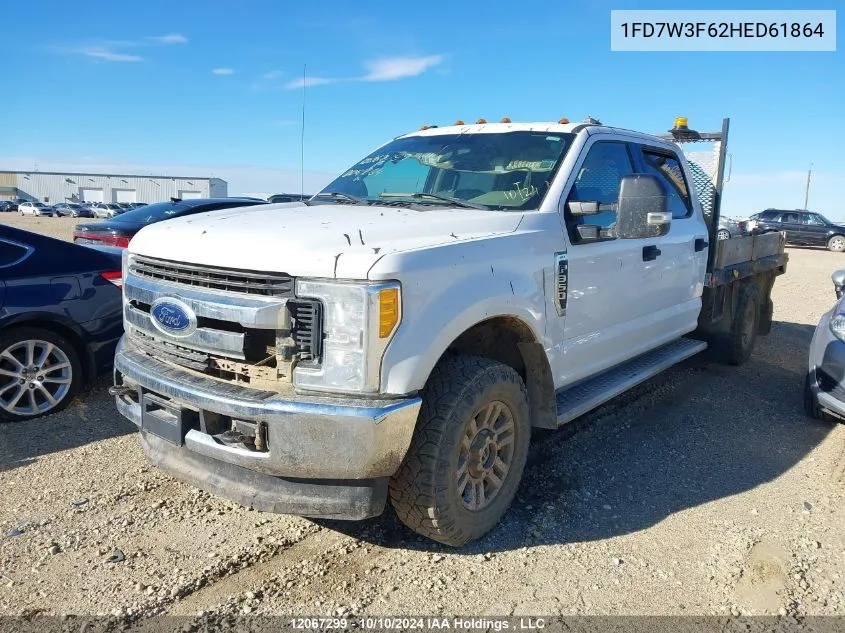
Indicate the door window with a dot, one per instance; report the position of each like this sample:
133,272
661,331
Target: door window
668,169
598,180
790,218
814,220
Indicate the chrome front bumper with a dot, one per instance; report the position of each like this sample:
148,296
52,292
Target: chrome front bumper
308,438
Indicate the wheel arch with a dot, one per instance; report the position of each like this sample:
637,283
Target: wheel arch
511,341
64,328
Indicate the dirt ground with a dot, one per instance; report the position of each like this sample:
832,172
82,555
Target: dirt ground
704,491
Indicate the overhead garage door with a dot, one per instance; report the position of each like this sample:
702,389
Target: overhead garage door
189,195
124,195
91,195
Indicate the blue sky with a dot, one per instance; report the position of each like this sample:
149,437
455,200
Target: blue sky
212,87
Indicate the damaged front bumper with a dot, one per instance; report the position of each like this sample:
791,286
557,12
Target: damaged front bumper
311,456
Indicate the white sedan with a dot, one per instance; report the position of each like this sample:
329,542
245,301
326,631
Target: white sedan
35,208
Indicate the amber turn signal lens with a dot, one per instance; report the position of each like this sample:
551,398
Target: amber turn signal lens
388,311
564,121
459,122
506,120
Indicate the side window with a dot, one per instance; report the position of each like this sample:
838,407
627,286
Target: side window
790,218
598,180
12,253
814,220
768,216
667,167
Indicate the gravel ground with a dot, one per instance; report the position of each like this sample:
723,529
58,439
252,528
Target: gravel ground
704,491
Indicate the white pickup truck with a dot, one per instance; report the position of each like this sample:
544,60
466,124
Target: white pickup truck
400,333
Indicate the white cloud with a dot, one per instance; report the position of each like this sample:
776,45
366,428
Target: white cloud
110,56
385,69
223,71
273,74
310,81
393,68
171,38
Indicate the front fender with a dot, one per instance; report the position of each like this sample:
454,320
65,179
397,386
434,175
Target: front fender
451,294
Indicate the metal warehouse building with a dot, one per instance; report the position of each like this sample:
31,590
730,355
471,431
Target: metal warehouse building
52,188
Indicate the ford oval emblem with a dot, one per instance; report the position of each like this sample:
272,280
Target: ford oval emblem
173,317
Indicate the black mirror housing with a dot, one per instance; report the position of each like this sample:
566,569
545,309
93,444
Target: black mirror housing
643,208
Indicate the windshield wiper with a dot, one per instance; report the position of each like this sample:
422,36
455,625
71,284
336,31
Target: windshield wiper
433,196
339,195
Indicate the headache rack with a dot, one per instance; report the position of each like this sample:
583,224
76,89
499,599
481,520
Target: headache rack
736,258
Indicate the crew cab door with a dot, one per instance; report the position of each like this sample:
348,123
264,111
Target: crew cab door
683,261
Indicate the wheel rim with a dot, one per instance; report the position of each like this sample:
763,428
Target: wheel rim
35,376
486,455
723,235
837,243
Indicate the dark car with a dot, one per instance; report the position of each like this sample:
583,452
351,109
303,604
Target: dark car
73,210
804,228
118,231
7,206
60,320
288,197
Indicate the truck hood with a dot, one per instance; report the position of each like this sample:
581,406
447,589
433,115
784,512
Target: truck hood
326,240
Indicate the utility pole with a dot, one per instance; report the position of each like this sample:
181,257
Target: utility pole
807,189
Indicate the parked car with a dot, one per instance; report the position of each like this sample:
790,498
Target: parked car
824,386
7,206
805,228
106,209
72,210
60,320
35,208
118,231
729,228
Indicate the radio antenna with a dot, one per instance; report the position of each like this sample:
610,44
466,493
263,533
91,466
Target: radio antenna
302,136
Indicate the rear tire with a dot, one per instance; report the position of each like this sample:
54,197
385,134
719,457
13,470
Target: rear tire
722,234
468,452
836,244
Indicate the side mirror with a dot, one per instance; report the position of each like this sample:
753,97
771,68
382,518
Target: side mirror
838,279
643,209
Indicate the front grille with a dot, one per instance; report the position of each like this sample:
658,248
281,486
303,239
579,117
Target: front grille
176,354
213,278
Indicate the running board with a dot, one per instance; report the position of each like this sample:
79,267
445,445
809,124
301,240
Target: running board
589,393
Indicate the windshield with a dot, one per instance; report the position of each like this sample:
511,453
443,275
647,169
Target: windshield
508,170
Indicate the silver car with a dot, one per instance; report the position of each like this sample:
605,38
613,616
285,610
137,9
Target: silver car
824,387
728,228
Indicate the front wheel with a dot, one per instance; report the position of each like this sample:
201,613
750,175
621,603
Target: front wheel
469,449
40,373
723,234
836,243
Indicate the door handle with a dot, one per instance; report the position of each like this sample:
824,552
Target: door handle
650,253
700,244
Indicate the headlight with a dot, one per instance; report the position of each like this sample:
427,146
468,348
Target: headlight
359,321
837,326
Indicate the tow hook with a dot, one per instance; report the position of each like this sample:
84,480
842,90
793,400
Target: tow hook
120,390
